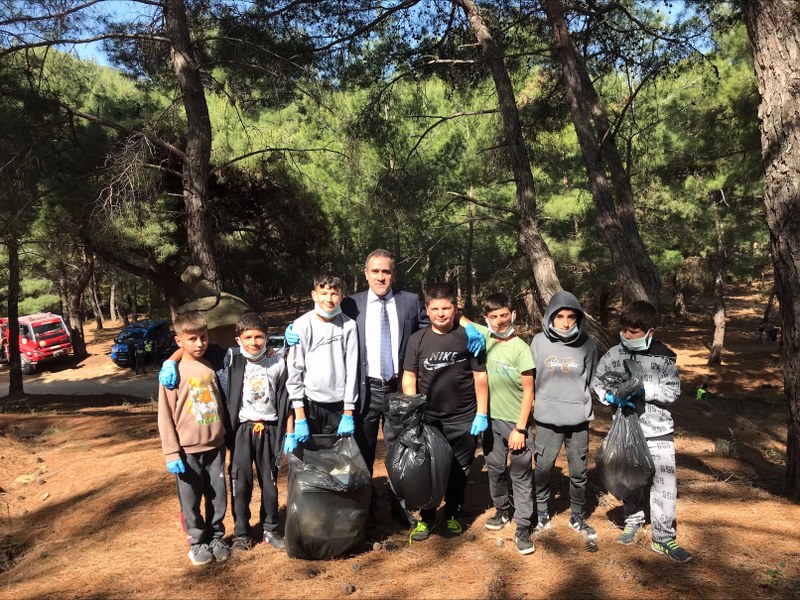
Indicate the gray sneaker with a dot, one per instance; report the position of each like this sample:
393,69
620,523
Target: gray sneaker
200,554
628,534
220,550
672,549
272,538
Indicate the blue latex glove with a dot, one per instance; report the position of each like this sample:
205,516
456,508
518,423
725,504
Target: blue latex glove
475,340
347,426
619,402
290,336
289,443
301,432
479,424
168,375
176,466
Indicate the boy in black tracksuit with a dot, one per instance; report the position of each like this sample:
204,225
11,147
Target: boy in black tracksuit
256,422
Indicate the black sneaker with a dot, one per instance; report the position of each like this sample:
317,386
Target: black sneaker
498,521
420,532
523,540
579,523
220,550
272,538
241,543
200,554
543,522
671,549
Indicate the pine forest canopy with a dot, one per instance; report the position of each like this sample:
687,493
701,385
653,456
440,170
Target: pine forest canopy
616,141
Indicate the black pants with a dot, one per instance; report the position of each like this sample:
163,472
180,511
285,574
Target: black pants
323,417
254,443
463,445
369,422
204,479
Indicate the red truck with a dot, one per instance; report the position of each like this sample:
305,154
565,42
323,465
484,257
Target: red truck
42,337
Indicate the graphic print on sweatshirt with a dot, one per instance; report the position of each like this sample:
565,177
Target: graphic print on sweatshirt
202,399
335,338
440,360
565,364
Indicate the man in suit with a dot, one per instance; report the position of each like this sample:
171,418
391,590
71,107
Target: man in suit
379,311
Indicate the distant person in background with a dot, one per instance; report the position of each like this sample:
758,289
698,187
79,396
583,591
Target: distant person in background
148,352
138,357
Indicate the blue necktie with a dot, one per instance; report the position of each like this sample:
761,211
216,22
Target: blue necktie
387,364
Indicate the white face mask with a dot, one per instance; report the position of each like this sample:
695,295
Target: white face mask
250,356
639,344
507,333
565,335
324,313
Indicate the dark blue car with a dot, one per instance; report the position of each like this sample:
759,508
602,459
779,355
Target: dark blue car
135,335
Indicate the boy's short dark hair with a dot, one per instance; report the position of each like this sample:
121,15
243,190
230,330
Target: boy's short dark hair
639,315
379,253
251,320
440,291
190,322
329,279
494,302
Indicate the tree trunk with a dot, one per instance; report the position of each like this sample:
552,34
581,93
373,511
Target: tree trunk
768,307
637,276
15,386
529,237
678,298
198,143
774,30
73,285
96,308
470,242
719,262
112,301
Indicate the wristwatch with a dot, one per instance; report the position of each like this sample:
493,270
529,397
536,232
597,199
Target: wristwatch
522,431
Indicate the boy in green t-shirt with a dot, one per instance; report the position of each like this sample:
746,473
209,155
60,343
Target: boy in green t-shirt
509,366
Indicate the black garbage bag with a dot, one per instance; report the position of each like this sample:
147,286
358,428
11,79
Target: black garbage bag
624,459
328,498
418,462
624,384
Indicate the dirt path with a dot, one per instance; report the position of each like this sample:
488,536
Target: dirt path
90,512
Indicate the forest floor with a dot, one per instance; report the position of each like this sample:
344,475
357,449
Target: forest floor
88,510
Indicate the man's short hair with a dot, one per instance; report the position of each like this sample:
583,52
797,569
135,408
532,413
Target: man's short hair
251,320
190,322
329,279
379,253
440,291
639,315
494,302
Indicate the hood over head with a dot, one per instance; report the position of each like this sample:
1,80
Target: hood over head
561,300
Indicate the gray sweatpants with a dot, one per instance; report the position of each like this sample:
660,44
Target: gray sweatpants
204,478
663,492
549,439
518,469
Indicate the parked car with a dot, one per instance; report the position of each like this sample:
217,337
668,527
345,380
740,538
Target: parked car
134,335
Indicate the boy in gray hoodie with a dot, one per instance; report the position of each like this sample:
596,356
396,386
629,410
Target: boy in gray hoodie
565,358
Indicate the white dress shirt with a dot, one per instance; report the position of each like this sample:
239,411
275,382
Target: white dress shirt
372,336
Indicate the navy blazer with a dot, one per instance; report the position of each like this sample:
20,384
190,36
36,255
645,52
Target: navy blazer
411,316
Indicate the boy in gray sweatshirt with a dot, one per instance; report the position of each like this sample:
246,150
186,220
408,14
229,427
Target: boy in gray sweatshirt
565,358
322,368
